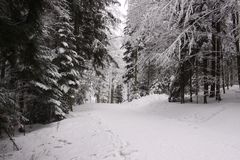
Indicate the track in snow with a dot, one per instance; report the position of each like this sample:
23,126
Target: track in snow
146,129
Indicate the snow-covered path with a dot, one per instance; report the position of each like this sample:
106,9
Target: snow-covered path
146,129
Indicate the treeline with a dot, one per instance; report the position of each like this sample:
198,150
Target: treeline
49,49
182,48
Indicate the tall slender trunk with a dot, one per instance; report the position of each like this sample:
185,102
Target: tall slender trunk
98,97
218,69
182,83
197,77
112,92
109,89
135,85
182,73
231,72
205,80
148,77
190,85
223,73
235,19
128,91
227,74
213,67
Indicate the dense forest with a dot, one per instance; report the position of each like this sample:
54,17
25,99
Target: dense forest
182,48
54,53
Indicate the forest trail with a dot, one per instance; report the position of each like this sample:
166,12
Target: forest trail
145,129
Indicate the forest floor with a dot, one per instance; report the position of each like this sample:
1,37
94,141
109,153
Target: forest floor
145,129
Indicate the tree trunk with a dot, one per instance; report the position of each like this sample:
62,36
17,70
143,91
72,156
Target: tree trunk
223,74
197,83
227,74
213,67
128,91
98,97
231,72
190,85
112,93
218,69
182,83
235,19
205,81
148,77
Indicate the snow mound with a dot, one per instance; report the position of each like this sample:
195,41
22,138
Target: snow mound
155,98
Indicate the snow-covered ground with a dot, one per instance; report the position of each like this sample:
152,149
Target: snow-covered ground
145,129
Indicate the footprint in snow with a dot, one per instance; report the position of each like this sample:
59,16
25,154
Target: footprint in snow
78,158
61,140
125,153
58,146
10,155
5,156
65,142
110,155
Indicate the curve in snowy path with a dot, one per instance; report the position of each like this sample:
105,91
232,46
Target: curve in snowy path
170,131
146,129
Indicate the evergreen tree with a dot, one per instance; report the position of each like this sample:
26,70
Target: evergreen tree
43,50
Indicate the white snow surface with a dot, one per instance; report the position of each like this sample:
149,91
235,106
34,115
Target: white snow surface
61,50
40,85
65,44
145,129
